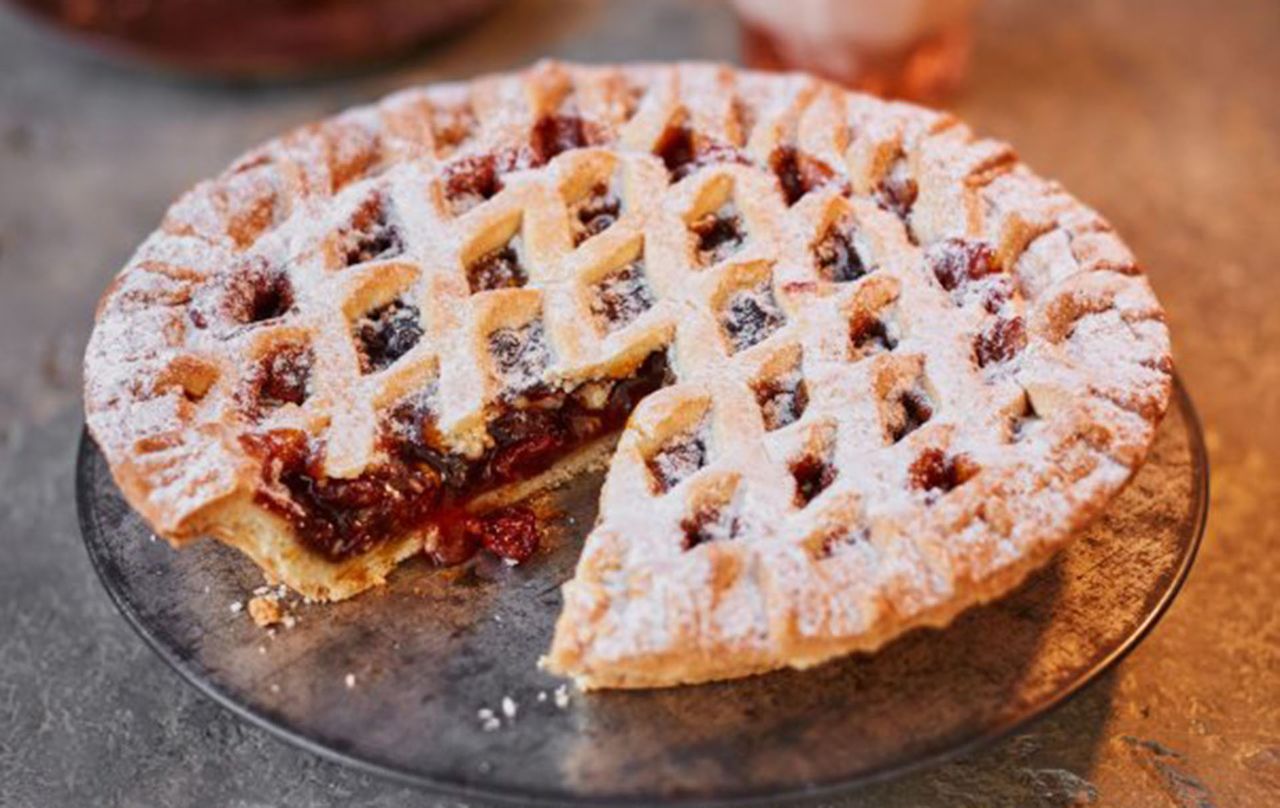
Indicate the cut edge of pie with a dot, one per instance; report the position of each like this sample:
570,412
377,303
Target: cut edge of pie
872,370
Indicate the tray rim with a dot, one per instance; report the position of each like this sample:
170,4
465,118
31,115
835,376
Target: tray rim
815,792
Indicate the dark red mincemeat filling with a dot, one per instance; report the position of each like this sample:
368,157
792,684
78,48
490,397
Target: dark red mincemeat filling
421,483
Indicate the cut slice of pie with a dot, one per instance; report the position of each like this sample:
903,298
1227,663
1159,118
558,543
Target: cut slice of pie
868,369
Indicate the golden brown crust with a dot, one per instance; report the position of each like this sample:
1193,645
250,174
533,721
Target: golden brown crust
976,385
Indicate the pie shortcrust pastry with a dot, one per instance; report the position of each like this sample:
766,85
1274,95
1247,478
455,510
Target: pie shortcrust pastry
872,370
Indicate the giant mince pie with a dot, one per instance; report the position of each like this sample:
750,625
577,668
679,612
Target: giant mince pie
867,368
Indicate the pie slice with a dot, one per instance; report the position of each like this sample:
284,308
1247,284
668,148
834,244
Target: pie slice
868,369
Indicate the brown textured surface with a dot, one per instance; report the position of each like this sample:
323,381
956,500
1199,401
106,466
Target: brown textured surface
1166,118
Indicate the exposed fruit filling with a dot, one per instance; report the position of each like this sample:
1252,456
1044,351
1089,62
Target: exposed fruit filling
837,254
594,213
707,524
813,475
621,296
256,293
554,134
422,483
499,268
386,334
282,377
798,174
782,401
751,316
937,471
718,234
675,461
372,236
683,152
898,189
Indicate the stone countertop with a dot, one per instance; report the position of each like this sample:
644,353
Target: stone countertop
1166,117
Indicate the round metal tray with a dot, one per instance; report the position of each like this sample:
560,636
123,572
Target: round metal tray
432,648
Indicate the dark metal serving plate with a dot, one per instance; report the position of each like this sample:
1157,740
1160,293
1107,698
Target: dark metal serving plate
431,649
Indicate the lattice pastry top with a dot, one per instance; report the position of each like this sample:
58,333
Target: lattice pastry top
900,369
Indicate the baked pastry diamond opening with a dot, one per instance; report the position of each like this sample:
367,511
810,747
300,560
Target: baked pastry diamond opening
520,355
684,152
499,268
677,459
282,376
718,234
828,542
257,292
372,234
556,134
934,471
898,190
621,296
471,181
710,522
782,397
1000,341
957,263
837,253
594,212
751,316
870,334
387,333
798,173
813,474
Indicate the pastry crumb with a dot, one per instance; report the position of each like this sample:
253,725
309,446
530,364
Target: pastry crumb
236,607
268,609
562,696
508,707
488,721
350,680
265,611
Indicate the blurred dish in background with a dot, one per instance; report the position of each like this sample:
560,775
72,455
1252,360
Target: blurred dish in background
254,38
915,49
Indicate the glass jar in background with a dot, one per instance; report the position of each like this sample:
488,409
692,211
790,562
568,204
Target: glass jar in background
257,38
913,49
